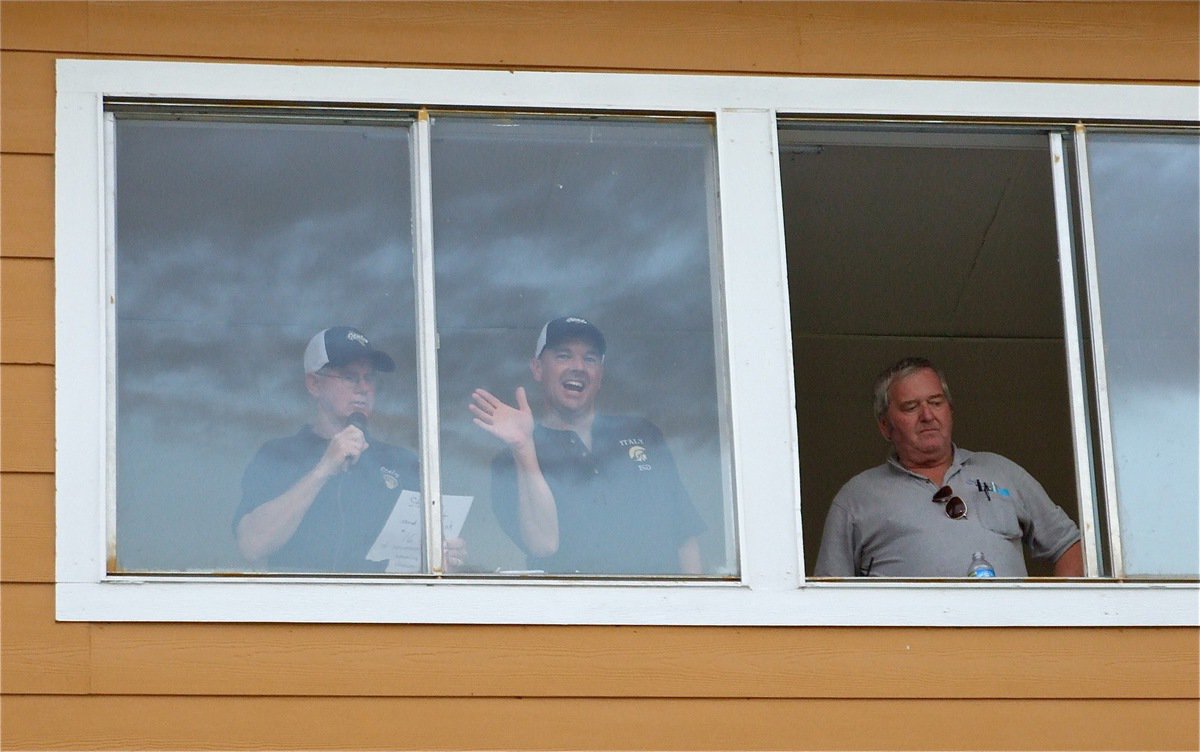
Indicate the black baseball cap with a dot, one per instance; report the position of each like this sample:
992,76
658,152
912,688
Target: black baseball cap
569,327
339,345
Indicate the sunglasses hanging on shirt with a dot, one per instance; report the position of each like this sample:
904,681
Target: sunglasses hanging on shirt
956,508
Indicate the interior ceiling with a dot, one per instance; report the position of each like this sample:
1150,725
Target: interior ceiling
921,242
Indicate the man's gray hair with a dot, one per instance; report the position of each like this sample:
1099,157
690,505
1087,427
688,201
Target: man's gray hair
903,368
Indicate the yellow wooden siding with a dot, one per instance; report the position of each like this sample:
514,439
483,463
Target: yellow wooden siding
26,99
124,722
1062,40
548,661
286,686
27,311
27,207
27,415
26,530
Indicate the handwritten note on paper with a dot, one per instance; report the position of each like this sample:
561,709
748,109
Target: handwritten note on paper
454,513
399,542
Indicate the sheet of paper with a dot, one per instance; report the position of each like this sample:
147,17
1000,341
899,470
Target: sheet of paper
399,542
454,513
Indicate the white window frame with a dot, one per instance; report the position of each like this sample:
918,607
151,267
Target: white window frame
772,589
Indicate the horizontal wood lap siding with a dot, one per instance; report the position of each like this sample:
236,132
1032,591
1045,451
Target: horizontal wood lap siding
117,722
27,311
172,686
27,529
26,100
1043,40
27,413
547,661
27,209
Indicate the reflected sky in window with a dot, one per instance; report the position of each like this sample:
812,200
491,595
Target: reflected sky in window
612,219
235,243
1145,207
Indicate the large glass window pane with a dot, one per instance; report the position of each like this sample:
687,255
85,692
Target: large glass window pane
940,243
611,220
237,241
1144,190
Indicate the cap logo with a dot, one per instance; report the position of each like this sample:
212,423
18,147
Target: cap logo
637,453
356,337
574,320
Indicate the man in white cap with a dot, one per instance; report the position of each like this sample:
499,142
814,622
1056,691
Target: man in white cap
317,500
582,492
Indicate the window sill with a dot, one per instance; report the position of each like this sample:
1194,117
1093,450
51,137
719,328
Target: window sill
1004,603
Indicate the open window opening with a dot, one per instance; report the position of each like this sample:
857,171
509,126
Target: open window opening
934,242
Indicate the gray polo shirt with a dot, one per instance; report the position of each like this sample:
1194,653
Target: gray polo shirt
884,524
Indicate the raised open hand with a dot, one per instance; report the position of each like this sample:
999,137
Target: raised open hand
512,425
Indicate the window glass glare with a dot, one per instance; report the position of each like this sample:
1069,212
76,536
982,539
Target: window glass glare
235,243
1144,190
612,221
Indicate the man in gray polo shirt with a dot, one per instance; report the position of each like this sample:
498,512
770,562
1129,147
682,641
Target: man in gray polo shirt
932,505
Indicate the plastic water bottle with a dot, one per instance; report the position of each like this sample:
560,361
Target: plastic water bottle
980,567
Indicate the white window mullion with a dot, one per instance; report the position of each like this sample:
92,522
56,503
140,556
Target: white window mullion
108,296
732,556
431,482
82,441
1099,372
1075,380
758,330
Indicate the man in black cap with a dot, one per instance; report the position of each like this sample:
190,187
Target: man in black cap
317,500
582,492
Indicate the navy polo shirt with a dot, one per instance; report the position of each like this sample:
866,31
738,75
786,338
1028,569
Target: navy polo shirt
348,513
621,506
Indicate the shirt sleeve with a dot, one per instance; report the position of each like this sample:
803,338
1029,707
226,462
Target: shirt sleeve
263,480
1047,530
838,555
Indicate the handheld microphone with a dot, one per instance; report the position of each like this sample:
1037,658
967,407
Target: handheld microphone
359,421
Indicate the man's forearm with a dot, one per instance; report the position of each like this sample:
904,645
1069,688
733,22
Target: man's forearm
1070,564
537,512
264,530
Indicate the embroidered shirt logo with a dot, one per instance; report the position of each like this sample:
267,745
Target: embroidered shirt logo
637,453
391,478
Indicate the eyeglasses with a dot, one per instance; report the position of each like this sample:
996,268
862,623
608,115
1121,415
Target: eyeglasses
350,379
956,508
